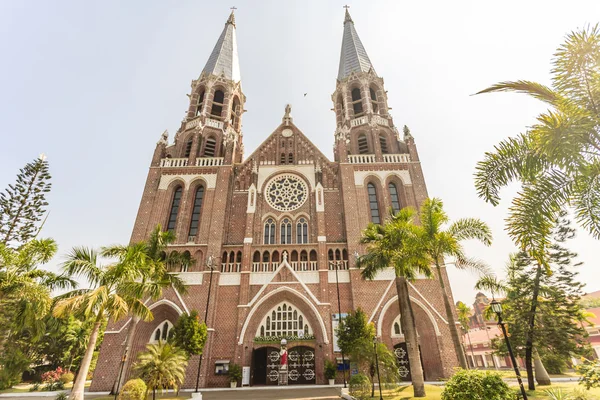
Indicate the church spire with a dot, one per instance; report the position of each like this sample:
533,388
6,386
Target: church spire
354,57
224,57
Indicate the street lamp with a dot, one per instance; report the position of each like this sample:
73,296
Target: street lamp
377,366
209,264
497,308
337,284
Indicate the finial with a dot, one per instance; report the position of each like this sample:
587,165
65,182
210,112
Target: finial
231,19
287,118
348,18
164,138
407,134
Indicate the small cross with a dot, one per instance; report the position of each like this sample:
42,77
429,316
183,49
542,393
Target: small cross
346,6
233,8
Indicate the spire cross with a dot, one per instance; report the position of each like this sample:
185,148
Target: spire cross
346,6
233,8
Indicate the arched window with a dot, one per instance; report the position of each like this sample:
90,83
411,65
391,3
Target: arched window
284,320
397,328
302,231
210,147
195,221
235,113
286,231
290,158
283,160
161,333
217,104
363,144
174,209
186,260
269,231
357,102
188,147
383,144
200,103
374,102
373,204
394,197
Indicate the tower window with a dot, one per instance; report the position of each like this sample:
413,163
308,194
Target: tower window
363,144
196,211
357,102
235,113
282,158
302,231
174,209
217,105
290,158
210,147
161,333
383,144
188,147
269,232
374,102
373,204
394,197
200,103
286,231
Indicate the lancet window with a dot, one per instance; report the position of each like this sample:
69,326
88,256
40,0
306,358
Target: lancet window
195,221
172,223
269,237
357,102
161,333
286,231
284,320
373,203
302,231
394,197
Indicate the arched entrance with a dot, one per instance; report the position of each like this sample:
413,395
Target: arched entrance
266,363
265,366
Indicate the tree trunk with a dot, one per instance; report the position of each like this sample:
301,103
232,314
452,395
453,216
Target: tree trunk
541,375
128,343
409,329
462,360
530,328
472,353
153,393
79,385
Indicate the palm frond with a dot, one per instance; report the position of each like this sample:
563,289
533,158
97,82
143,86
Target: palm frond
475,265
82,261
534,89
586,199
471,228
491,283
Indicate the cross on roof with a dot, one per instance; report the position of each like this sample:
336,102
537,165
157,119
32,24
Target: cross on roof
346,6
233,8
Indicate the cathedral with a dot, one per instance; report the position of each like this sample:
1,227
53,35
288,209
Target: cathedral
273,236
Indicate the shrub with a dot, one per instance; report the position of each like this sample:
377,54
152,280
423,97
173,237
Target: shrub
62,396
557,394
579,394
67,377
330,370
52,376
590,374
554,364
360,387
476,385
35,387
235,373
134,389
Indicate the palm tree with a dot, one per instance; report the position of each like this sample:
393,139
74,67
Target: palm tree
464,312
116,290
162,366
77,335
439,243
395,244
156,278
557,160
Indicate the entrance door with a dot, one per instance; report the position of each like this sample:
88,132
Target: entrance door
404,363
301,365
262,366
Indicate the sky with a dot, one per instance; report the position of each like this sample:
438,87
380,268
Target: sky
93,84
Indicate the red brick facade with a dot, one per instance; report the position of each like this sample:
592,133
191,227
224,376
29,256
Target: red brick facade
251,275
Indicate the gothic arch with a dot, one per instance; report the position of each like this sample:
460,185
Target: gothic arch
414,301
167,303
299,300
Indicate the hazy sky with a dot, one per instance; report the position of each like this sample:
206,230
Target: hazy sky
94,84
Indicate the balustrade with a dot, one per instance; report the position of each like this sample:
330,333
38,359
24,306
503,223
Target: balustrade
209,161
361,158
396,158
174,162
358,121
213,123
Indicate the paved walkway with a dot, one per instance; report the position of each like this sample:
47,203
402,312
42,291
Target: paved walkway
297,393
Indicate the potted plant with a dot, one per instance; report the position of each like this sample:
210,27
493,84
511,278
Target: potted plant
235,374
330,371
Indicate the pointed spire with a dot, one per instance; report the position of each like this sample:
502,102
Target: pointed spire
224,57
354,57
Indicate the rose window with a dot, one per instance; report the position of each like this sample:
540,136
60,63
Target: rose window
286,192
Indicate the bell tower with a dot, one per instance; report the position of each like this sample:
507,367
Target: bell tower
364,128
211,128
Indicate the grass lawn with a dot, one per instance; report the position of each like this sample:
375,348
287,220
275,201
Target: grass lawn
25,387
435,392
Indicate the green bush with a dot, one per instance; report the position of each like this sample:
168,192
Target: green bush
134,389
330,370
62,396
67,377
590,374
554,364
360,386
235,373
477,385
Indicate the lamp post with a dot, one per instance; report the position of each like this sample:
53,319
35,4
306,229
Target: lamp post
337,284
377,366
497,308
209,264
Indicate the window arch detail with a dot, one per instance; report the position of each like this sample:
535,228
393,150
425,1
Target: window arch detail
357,105
269,237
172,223
217,104
396,328
286,231
284,320
393,189
161,333
302,231
373,204
195,220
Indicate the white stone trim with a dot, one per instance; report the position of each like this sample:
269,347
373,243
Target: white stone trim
267,171
309,276
360,176
383,296
321,238
248,240
167,302
414,301
191,278
274,292
251,199
230,279
319,199
343,276
210,179
428,303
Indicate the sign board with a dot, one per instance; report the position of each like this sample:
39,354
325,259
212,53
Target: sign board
245,376
335,321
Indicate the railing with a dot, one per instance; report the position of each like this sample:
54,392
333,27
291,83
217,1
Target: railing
264,266
231,267
174,162
358,121
304,265
380,121
396,158
192,123
213,123
361,158
341,265
209,161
